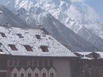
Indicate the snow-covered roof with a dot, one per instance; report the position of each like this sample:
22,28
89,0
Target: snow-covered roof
101,54
90,55
83,55
31,42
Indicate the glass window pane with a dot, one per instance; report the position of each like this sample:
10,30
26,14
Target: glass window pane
44,75
36,75
51,74
15,75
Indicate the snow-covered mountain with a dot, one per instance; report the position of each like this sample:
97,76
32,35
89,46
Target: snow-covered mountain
38,15
91,37
8,19
53,26
69,12
74,15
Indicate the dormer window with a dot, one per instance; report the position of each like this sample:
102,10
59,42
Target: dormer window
2,34
38,36
1,50
0,44
13,47
45,31
28,47
20,36
44,48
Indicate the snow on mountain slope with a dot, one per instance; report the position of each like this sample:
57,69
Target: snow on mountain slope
55,28
10,19
58,30
91,37
88,35
76,16
96,28
64,10
73,15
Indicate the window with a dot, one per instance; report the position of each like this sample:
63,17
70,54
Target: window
36,75
28,48
29,74
45,31
20,35
51,74
44,48
38,36
15,75
12,47
1,50
22,74
44,75
2,34
0,44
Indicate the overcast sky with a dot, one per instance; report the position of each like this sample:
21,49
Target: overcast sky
97,5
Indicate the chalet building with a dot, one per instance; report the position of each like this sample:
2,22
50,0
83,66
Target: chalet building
33,53
90,64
